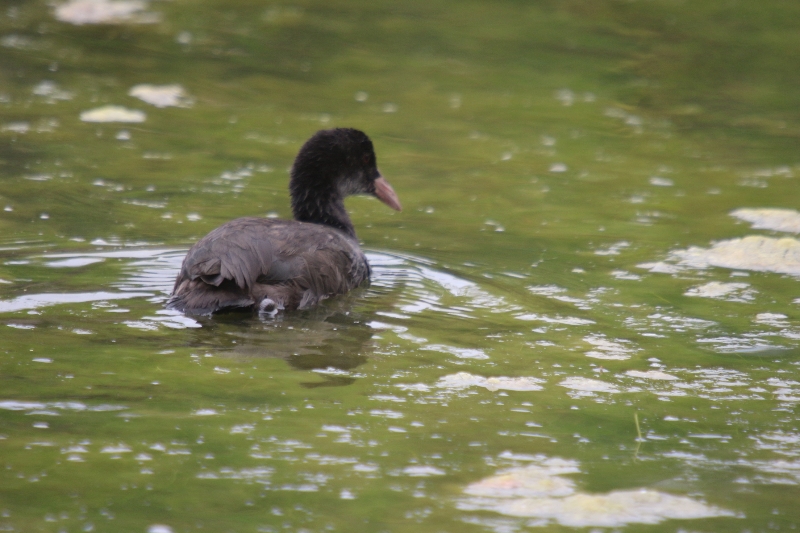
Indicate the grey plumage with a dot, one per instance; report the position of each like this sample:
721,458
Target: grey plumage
294,264
289,264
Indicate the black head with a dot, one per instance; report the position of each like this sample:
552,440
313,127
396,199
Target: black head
342,158
331,165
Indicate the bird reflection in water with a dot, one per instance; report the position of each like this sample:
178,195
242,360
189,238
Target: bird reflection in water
330,337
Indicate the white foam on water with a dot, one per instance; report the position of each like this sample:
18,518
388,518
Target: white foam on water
75,262
461,353
14,405
51,91
35,301
386,413
119,448
423,471
772,319
567,321
665,322
742,344
651,374
613,249
658,181
16,127
625,275
171,319
258,474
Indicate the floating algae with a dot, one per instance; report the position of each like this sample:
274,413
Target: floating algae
539,490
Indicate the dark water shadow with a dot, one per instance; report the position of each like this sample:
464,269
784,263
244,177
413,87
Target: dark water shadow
331,339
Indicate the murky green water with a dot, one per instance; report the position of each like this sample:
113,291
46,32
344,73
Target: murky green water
568,324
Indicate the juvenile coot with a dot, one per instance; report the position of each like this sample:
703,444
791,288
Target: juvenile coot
268,264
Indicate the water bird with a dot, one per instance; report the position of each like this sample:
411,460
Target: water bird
271,265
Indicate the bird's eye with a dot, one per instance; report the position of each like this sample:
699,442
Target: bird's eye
365,159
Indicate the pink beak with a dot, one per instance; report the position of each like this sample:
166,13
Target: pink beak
385,193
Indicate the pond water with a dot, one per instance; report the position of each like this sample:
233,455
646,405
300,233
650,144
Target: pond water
587,316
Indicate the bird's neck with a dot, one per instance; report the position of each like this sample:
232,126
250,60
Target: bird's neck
319,205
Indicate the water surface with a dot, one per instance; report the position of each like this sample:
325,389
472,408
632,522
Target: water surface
585,317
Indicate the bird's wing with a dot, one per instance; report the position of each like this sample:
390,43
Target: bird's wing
333,265
256,250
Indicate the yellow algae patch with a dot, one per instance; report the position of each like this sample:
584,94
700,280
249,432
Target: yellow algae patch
463,380
113,113
567,321
540,490
161,95
81,12
611,510
616,350
787,220
651,374
589,385
762,254
542,479
733,292
754,252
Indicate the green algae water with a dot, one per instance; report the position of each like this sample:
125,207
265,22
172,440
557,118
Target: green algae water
587,316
